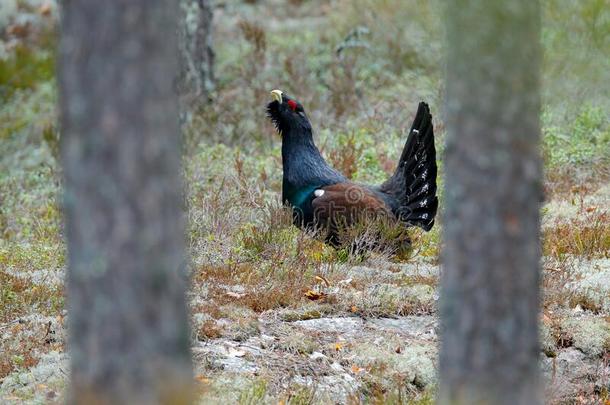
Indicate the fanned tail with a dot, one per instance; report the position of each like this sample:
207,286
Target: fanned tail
413,184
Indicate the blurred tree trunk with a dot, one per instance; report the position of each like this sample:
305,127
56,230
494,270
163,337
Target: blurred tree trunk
490,276
128,329
197,55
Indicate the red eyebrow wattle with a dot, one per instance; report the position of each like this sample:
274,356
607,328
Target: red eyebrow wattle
292,104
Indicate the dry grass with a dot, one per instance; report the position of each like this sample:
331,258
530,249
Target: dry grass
19,355
346,158
254,34
587,236
568,182
23,341
18,296
248,262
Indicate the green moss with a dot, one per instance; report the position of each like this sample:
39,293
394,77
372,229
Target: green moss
37,256
232,388
254,394
309,311
300,395
24,69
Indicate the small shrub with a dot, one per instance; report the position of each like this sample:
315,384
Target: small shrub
19,295
254,34
347,156
585,142
588,236
27,67
254,394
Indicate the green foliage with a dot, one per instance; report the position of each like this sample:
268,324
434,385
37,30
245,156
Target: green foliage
576,68
254,394
585,142
26,116
24,69
301,395
268,237
356,154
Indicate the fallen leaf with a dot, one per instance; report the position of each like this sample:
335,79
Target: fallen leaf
314,295
202,379
338,346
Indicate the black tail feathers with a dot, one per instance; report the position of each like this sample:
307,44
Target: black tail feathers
413,184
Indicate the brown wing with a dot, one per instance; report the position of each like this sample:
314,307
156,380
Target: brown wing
346,203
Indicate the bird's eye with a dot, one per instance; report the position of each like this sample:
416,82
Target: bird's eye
292,104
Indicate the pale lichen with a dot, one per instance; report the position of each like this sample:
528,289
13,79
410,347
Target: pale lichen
590,334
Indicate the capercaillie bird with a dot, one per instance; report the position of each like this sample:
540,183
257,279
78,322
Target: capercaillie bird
323,198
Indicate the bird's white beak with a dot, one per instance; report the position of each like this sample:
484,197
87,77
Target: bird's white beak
277,95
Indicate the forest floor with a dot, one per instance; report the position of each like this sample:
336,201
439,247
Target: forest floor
277,316
370,331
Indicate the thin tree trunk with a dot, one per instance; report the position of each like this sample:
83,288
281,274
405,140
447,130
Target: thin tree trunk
197,55
128,329
491,270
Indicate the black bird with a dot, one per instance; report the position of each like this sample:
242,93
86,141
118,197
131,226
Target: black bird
322,197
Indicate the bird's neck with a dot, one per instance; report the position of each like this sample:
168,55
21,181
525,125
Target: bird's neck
299,149
304,167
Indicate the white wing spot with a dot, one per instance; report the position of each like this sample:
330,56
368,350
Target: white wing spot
318,193
423,202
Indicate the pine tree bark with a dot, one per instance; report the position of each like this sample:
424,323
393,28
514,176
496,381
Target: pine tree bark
490,277
197,54
128,325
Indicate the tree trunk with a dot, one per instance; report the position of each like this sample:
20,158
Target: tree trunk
197,55
491,269
128,329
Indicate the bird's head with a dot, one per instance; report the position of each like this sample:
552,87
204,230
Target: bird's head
287,114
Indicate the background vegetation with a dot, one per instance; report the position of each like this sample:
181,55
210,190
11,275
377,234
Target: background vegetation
359,68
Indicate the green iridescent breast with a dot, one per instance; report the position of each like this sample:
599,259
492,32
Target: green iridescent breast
298,197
